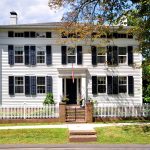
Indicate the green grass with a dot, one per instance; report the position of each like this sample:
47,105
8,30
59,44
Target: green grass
124,135
34,136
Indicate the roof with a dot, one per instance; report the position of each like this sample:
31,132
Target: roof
42,25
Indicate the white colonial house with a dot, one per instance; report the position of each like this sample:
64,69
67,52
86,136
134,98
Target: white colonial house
36,59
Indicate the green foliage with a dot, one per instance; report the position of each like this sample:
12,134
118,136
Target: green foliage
49,99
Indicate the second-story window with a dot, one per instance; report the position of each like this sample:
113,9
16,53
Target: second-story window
40,84
122,55
101,58
71,55
40,55
19,84
18,54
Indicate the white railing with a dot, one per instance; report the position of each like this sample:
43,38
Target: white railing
29,112
122,111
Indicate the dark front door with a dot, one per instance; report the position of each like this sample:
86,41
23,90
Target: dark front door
71,91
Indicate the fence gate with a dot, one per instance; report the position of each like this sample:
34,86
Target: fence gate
75,113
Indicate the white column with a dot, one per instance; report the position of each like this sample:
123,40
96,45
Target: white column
83,87
60,92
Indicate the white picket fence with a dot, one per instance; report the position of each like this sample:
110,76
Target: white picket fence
122,111
29,112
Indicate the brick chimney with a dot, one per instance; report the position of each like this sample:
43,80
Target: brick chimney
13,18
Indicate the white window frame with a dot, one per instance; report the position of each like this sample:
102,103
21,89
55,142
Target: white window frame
18,85
38,49
15,49
122,84
71,55
37,85
122,55
101,55
104,77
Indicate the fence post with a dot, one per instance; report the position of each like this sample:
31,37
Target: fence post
62,112
24,111
89,112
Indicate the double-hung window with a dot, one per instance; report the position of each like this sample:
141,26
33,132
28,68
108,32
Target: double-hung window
40,84
101,57
18,54
122,84
101,84
71,55
19,85
40,55
122,55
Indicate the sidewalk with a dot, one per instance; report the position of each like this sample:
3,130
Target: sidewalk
84,126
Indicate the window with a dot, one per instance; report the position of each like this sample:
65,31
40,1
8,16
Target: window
122,84
122,54
40,34
40,84
40,55
19,84
101,58
122,35
18,54
71,54
101,84
19,34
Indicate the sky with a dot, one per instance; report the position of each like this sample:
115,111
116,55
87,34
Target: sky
29,11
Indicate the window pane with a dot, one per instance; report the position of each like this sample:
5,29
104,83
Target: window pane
101,89
101,59
122,84
101,50
122,50
71,59
40,89
40,59
18,84
18,54
18,89
122,89
101,80
122,59
41,80
71,51
101,84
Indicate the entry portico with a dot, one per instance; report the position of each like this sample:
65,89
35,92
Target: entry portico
72,90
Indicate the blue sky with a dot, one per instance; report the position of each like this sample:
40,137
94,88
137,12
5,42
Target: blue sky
29,11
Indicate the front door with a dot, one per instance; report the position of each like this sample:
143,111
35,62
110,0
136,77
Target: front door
71,91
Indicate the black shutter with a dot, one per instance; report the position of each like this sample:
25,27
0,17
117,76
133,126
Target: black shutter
27,85
11,54
94,55
10,34
49,84
115,84
33,85
32,34
115,55
32,55
11,85
64,55
94,84
109,85
26,34
130,55
130,85
48,35
26,54
48,55
109,55
79,55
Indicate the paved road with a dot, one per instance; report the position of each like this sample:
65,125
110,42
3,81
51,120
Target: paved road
76,147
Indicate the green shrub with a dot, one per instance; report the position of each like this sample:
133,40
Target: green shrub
49,99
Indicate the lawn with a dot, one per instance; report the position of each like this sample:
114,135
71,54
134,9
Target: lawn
34,136
124,135
106,135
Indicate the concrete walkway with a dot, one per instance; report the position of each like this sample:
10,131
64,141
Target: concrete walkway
84,126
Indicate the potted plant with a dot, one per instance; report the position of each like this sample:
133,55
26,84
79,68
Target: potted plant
64,99
49,99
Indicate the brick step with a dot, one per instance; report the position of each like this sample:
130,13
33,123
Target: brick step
82,132
72,110
76,120
77,113
82,138
74,114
